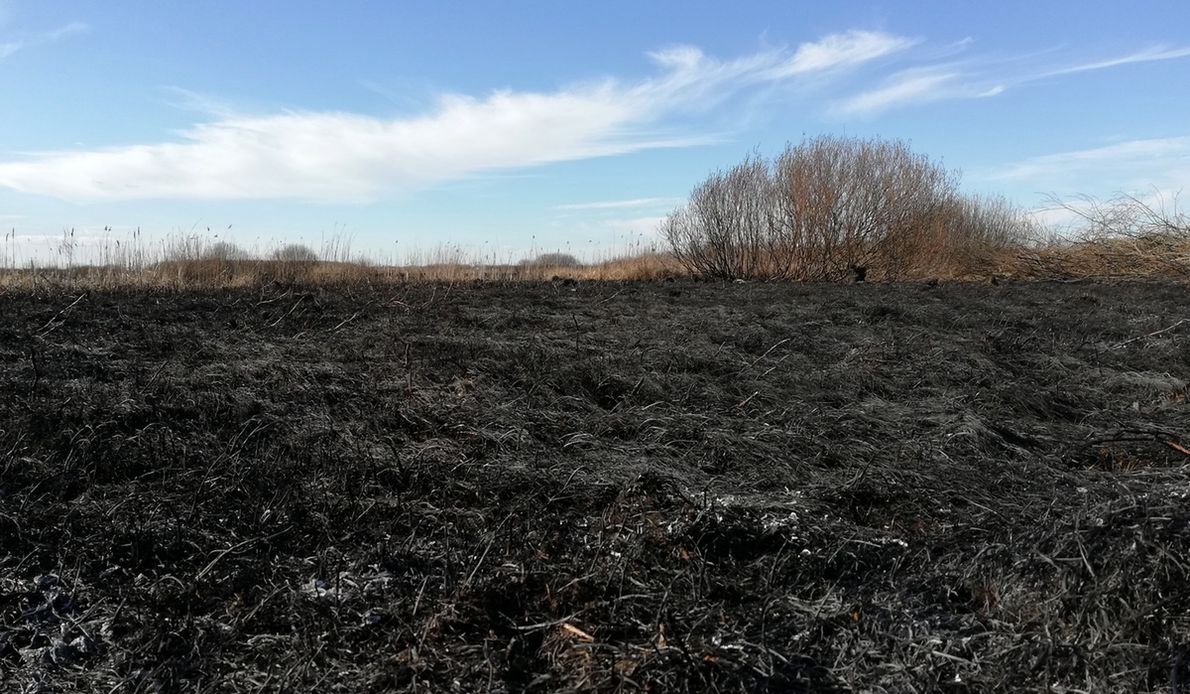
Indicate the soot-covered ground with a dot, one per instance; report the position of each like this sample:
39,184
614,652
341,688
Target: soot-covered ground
665,487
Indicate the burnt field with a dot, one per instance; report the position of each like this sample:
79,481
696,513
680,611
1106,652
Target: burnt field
665,487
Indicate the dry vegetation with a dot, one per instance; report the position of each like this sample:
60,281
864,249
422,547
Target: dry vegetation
829,209
1122,237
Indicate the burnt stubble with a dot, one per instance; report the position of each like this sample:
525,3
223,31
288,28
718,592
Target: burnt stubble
596,486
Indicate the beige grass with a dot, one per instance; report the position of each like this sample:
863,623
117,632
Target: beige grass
1121,238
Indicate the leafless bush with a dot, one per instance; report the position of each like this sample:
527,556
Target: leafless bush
850,202
195,259
971,235
1124,236
222,250
728,227
1129,217
290,263
831,204
552,260
295,253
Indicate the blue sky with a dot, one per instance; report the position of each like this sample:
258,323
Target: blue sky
511,126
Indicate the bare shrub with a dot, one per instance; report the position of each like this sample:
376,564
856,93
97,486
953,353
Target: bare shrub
223,250
830,207
969,236
194,259
850,202
556,260
291,263
727,229
1124,236
545,265
295,253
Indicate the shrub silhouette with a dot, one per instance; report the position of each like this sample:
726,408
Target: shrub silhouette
831,204
295,253
552,260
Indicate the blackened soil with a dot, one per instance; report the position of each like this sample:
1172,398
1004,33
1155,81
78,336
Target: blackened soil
664,487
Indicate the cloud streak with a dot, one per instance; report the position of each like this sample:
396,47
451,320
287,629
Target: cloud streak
1152,169
1148,55
336,156
902,89
970,79
8,48
1170,153
843,50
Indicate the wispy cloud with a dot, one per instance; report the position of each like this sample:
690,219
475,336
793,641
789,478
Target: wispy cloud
1148,55
1170,153
335,156
899,90
189,100
842,50
1152,169
619,204
976,78
8,48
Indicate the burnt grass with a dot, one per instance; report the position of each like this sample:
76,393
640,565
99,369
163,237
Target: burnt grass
666,487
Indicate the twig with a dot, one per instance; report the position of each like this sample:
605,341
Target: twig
766,353
1178,447
1152,334
234,548
547,625
50,326
291,310
604,301
344,322
747,400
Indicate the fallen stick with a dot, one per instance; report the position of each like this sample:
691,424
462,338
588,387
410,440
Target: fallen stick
291,310
1178,447
575,631
53,325
345,322
1152,334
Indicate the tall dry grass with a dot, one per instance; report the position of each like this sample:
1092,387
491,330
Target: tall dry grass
192,260
776,220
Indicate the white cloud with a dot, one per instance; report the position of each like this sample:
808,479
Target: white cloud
908,88
1146,56
977,78
619,204
840,50
1166,158
189,100
1155,170
8,48
343,156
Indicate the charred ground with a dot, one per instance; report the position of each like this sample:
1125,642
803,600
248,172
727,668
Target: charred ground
672,487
